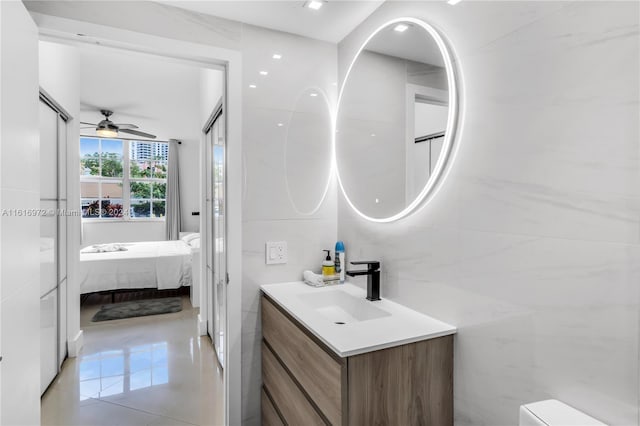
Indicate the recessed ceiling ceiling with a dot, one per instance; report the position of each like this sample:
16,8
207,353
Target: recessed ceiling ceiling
332,22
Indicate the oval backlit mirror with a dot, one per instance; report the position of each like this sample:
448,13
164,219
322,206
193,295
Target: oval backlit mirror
397,115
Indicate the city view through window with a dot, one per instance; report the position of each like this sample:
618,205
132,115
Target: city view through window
122,179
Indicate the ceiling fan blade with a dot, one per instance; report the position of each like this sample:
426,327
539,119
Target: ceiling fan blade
126,126
138,133
88,127
88,124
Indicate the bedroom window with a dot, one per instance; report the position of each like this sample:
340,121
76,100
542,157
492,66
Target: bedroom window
123,179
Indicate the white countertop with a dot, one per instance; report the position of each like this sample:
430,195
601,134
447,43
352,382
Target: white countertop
397,325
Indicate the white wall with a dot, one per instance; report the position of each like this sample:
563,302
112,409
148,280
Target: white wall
122,232
211,85
532,246
19,235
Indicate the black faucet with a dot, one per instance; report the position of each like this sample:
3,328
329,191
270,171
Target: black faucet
373,277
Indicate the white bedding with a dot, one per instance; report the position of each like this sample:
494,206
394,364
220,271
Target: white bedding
153,264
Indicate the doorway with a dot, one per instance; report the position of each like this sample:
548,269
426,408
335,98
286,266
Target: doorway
221,58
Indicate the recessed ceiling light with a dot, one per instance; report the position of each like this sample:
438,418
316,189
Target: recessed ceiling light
373,135
277,56
314,4
252,86
313,95
401,28
280,124
453,2
264,72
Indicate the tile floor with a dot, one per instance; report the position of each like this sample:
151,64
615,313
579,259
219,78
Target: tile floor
151,371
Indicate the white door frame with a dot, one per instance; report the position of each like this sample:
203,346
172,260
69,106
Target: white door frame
209,287
65,31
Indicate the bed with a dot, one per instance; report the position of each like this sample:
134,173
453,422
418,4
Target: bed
149,264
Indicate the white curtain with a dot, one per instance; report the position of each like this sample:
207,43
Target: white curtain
172,212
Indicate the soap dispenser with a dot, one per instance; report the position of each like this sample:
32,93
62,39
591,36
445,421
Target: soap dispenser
328,267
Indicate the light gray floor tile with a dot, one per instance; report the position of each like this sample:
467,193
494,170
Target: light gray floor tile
140,371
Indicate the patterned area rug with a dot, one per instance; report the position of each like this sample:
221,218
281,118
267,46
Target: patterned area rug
138,308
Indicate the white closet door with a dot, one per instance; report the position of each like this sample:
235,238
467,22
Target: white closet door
62,282
62,159
62,240
48,339
48,153
209,232
48,198
62,322
49,245
214,230
219,233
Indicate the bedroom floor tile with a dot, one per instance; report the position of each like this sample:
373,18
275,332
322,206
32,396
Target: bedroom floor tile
141,371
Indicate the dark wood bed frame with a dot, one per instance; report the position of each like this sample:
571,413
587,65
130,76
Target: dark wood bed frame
147,293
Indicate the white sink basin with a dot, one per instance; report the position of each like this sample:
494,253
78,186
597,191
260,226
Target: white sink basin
349,324
341,307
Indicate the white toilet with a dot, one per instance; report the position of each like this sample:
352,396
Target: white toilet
552,412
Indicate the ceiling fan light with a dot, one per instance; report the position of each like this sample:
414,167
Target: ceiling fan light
314,4
107,132
401,28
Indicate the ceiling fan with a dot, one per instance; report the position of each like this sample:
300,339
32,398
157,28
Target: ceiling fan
108,129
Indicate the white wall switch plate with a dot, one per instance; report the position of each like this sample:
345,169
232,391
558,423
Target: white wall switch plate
276,252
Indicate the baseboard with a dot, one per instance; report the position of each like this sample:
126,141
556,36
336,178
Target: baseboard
193,298
74,346
202,326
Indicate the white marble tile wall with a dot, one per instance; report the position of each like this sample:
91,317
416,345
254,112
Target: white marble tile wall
532,246
19,233
268,212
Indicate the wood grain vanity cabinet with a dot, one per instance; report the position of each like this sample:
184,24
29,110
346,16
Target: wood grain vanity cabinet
306,383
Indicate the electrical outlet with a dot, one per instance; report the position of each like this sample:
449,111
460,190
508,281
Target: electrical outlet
275,252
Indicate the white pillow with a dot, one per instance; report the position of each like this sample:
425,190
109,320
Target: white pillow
195,243
187,238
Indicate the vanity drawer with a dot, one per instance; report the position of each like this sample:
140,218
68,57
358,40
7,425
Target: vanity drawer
318,373
270,416
293,405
